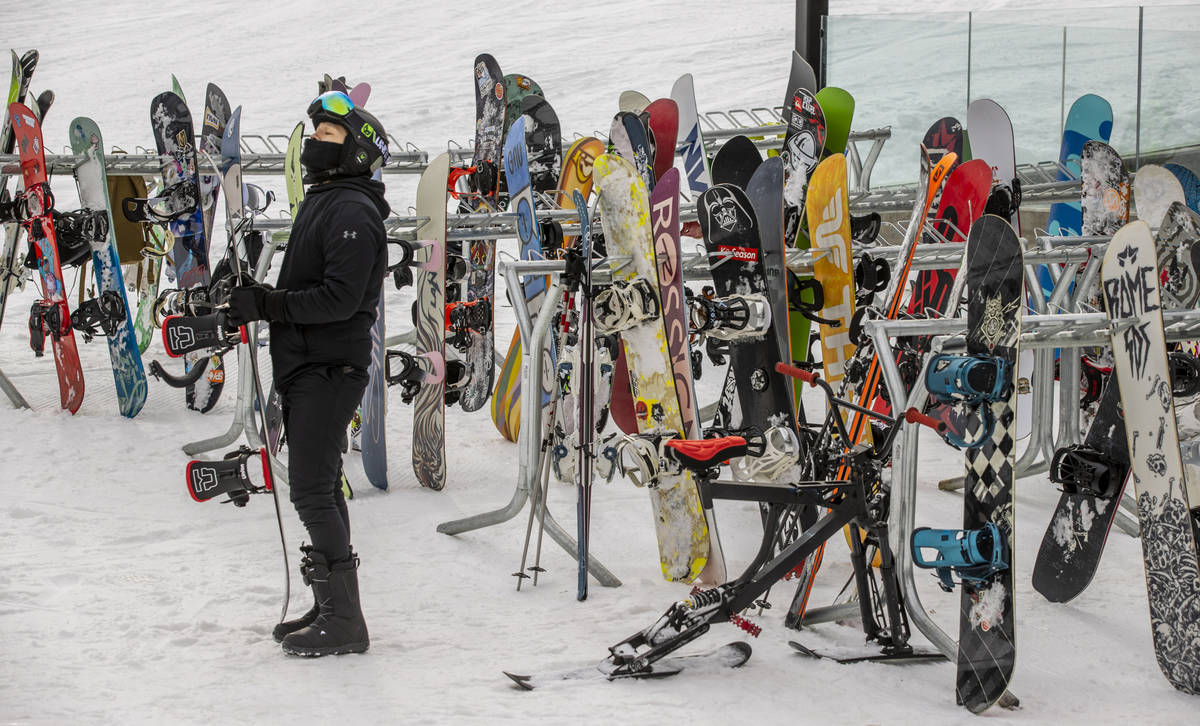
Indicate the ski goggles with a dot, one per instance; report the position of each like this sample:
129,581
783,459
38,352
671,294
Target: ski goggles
332,102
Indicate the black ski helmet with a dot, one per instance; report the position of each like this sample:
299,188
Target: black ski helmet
365,149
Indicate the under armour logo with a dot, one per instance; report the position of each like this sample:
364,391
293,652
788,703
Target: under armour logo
349,235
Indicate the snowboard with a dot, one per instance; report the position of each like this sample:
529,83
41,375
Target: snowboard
664,229
1168,520
735,162
803,143
680,525
664,125
55,316
516,88
506,399
1105,189
987,624
630,141
1090,119
372,438
943,136
91,180
837,105
539,170
174,138
429,416
1074,541
543,142
212,131
1178,250
736,262
801,75
1154,189
828,209
765,191
1190,183
961,202
11,269
691,136
632,101
475,343
991,138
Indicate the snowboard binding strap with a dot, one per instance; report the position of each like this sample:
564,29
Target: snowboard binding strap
734,317
815,292
1185,374
871,276
47,317
776,453
624,304
230,476
643,458
464,317
177,202
972,379
192,302
1083,470
972,554
99,316
401,272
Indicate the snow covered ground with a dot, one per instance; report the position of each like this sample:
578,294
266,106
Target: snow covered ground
121,600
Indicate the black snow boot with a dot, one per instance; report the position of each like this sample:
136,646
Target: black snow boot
339,626
291,626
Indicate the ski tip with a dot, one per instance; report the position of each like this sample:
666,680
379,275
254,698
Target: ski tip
522,681
803,649
742,647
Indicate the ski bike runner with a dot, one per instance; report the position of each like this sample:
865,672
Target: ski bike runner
321,311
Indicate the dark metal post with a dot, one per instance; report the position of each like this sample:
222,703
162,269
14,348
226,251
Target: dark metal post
810,34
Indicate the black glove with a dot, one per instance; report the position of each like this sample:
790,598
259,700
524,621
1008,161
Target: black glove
248,303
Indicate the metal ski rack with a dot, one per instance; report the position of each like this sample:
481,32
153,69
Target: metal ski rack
11,391
534,337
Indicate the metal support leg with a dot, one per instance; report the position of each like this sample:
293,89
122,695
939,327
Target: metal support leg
533,339
11,391
904,493
235,426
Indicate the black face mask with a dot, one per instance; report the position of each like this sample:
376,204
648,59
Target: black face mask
320,156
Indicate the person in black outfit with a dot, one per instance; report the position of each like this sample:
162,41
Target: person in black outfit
321,311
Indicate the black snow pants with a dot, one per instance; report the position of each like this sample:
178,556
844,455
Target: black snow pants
318,404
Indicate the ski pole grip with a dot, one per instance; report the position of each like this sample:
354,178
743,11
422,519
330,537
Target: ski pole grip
793,372
912,415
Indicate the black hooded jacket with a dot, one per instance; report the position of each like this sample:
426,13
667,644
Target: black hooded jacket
333,272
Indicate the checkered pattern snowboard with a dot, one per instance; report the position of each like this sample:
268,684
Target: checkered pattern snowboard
986,642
